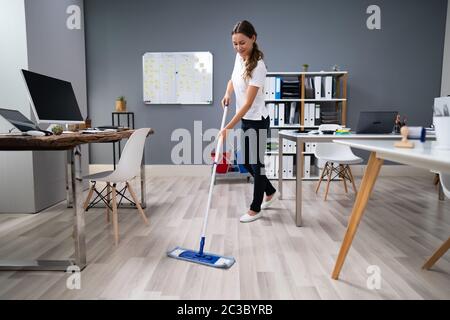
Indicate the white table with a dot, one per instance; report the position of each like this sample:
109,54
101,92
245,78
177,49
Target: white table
300,139
424,155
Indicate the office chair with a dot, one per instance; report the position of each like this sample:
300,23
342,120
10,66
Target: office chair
127,169
338,159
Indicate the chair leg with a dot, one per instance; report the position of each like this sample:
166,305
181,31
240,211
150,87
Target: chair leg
138,205
115,218
439,253
108,199
88,199
342,169
330,171
352,179
321,178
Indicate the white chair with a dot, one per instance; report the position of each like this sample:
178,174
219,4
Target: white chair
338,159
127,169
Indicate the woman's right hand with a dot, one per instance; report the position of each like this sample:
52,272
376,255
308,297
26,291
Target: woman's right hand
225,100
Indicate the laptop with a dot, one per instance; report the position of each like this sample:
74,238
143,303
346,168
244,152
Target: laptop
17,119
376,122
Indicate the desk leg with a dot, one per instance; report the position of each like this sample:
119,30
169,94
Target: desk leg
77,195
441,192
280,166
298,184
367,184
74,188
143,190
67,167
439,253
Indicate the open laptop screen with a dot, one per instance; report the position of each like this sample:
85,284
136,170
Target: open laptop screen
18,120
376,122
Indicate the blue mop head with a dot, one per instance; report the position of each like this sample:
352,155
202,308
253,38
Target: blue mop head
208,259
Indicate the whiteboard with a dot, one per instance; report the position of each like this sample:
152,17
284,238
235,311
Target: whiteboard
178,77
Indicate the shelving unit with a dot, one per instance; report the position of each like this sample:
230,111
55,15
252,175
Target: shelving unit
338,100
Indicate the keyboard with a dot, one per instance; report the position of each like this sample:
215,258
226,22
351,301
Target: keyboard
91,131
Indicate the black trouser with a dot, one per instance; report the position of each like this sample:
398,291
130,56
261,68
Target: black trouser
254,149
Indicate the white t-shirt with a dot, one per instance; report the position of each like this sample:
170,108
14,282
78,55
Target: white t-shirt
258,109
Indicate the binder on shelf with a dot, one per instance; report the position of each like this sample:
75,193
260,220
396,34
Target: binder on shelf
275,166
306,115
313,146
290,167
318,87
281,114
307,166
267,88
317,115
276,118
292,113
328,87
272,88
271,107
312,112
277,88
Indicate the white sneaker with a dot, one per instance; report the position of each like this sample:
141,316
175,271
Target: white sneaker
248,218
267,204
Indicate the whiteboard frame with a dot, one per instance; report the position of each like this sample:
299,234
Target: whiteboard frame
209,102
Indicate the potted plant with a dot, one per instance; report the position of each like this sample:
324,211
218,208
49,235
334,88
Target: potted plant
121,104
305,67
57,130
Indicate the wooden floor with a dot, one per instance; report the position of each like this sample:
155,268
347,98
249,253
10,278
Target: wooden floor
404,223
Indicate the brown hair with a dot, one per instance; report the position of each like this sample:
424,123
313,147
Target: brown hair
247,29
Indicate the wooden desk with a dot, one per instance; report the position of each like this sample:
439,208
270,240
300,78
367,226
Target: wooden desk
424,156
300,139
70,142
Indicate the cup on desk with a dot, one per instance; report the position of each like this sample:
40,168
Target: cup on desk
442,129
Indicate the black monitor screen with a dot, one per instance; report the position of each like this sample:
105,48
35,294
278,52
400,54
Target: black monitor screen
53,99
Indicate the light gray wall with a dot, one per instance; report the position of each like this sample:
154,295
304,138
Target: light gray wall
56,51
16,172
397,67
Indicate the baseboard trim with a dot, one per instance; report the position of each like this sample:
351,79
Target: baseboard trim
205,170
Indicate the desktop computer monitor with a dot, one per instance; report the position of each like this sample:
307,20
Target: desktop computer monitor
52,100
376,122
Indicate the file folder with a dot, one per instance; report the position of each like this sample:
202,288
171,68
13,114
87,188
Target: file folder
281,114
318,87
306,115
307,166
292,113
267,89
317,115
312,108
328,87
277,88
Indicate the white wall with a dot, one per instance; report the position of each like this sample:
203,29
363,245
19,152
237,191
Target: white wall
445,84
16,168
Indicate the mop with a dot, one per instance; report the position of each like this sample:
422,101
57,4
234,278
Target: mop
201,257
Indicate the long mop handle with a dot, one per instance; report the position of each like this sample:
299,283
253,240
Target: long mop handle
213,178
